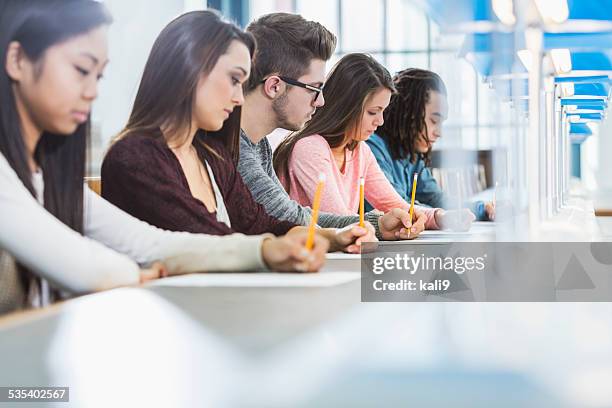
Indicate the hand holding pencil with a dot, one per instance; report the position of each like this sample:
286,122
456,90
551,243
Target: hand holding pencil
287,253
396,224
399,224
299,250
491,206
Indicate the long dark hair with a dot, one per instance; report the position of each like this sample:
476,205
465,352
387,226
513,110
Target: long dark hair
187,48
37,25
352,80
405,117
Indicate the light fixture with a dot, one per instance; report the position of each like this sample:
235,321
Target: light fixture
553,11
504,10
562,60
526,58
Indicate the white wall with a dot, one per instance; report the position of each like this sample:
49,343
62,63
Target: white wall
604,152
136,25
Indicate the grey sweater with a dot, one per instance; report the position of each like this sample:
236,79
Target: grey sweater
255,167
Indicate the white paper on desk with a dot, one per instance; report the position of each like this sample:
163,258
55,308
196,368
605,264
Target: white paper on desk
435,237
443,233
341,256
485,224
265,280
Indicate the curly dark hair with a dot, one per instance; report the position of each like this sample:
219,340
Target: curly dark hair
405,116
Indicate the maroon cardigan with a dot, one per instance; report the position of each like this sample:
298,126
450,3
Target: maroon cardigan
143,177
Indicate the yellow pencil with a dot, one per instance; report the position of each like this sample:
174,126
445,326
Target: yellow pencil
315,212
414,184
361,202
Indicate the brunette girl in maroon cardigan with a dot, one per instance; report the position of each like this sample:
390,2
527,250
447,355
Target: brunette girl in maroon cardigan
142,176
174,164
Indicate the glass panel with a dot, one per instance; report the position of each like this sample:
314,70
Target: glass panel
131,37
445,41
260,7
487,136
192,5
487,103
362,25
469,138
380,58
336,57
456,137
406,26
460,79
400,61
451,138
434,33
322,11
492,110
332,61
589,163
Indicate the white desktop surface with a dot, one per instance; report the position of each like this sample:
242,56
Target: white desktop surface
278,340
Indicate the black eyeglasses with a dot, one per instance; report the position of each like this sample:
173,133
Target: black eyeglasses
317,91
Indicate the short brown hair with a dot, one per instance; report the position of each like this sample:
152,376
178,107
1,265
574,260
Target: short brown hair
286,43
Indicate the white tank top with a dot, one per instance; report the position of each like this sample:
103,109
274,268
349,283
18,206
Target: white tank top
222,215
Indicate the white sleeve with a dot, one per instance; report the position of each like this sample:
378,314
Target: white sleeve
51,249
181,252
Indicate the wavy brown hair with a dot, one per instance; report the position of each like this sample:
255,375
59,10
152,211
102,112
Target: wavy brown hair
186,49
405,117
351,82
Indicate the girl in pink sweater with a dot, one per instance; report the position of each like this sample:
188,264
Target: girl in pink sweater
357,92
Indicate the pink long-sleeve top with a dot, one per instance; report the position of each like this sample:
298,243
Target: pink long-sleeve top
312,156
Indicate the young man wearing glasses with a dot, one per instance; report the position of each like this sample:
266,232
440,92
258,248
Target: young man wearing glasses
284,90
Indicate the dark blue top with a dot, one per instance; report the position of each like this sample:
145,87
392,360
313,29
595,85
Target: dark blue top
400,173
